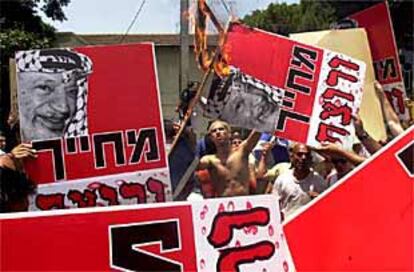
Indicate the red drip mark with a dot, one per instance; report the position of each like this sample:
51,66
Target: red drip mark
285,266
271,230
230,206
252,229
204,212
221,208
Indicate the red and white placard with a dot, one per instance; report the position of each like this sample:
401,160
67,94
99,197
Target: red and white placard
377,22
125,140
365,221
226,234
322,89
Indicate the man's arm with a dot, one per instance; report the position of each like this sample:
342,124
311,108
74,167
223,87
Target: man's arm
366,140
333,150
14,159
262,167
390,117
204,163
251,142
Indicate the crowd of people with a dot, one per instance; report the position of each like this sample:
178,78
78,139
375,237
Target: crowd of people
230,164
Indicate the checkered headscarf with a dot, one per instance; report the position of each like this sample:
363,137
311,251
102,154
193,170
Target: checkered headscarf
220,91
72,65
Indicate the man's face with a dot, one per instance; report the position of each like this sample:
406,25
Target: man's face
219,133
46,104
301,157
235,142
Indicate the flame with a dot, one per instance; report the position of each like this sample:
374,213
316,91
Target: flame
203,57
221,65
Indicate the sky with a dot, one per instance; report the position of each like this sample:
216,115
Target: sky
157,16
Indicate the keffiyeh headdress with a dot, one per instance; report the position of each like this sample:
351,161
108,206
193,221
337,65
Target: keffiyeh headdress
72,65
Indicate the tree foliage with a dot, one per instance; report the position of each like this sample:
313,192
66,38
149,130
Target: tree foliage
312,15
284,19
13,40
22,28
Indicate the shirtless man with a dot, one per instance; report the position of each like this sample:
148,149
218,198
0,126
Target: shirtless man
229,167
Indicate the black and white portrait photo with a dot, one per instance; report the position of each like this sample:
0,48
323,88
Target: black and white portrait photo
244,101
52,93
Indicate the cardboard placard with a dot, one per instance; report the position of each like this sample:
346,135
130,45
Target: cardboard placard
365,221
377,22
226,234
354,43
322,89
94,116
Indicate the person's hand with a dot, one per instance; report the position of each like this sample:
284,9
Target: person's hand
359,126
266,147
23,151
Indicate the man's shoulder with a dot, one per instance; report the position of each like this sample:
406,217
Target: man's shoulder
287,175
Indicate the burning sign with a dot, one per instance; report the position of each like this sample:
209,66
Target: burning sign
300,92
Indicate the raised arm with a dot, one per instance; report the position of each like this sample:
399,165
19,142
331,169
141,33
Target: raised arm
390,117
251,141
366,140
332,150
262,167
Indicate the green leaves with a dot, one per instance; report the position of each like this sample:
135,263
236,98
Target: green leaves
13,40
285,19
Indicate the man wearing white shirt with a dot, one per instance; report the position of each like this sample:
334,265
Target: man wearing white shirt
298,185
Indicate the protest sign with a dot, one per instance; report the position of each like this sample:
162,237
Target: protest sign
353,43
93,114
365,221
377,22
227,234
312,92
